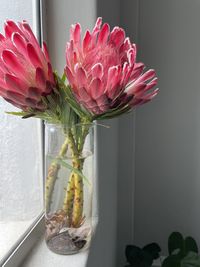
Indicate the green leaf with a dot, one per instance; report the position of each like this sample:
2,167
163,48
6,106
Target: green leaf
20,113
187,254
190,245
191,260
132,253
153,249
172,261
68,98
138,257
113,113
63,77
175,242
68,166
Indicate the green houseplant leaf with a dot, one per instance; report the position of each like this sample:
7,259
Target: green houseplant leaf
142,257
178,245
153,250
175,243
190,245
172,261
182,252
191,260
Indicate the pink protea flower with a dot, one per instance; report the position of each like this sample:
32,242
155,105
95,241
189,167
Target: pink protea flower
103,72
25,70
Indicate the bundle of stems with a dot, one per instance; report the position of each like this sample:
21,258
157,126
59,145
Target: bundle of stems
74,197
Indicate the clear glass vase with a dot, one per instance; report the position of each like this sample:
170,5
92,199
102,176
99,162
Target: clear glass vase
69,187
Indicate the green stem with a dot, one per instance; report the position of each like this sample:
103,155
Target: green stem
69,199
74,198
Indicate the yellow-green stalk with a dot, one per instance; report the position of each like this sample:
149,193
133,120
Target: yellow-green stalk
73,201
52,175
69,199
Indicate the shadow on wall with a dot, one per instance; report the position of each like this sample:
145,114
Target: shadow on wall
103,251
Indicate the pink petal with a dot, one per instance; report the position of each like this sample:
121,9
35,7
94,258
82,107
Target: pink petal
136,102
128,74
115,92
126,45
135,89
102,101
151,84
131,56
33,56
31,37
8,31
50,73
147,76
150,95
95,32
70,54
139,65
97,70
40,78
31,102
12,62
97,26
75,33
3,84
104,108
124,72
117,36
114,77
91,104
84,96
136,73
144,98
34,92
96,110
10,27
75,58
16,97
96,88
69,76
49,88
2,38
2,92
81,77
15,84
19,42
86,41
103,35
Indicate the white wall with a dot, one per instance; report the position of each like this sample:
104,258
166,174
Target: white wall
167,171
129,18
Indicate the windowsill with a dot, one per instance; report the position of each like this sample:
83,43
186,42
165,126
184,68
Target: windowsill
10,233
41,256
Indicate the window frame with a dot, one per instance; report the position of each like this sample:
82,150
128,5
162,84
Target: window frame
22,247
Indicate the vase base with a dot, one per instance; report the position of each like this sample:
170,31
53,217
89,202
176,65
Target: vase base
70,240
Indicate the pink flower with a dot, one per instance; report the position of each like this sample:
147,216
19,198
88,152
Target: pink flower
103,72
25,70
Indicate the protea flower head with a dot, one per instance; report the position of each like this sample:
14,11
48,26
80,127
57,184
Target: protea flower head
103,72
25,69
